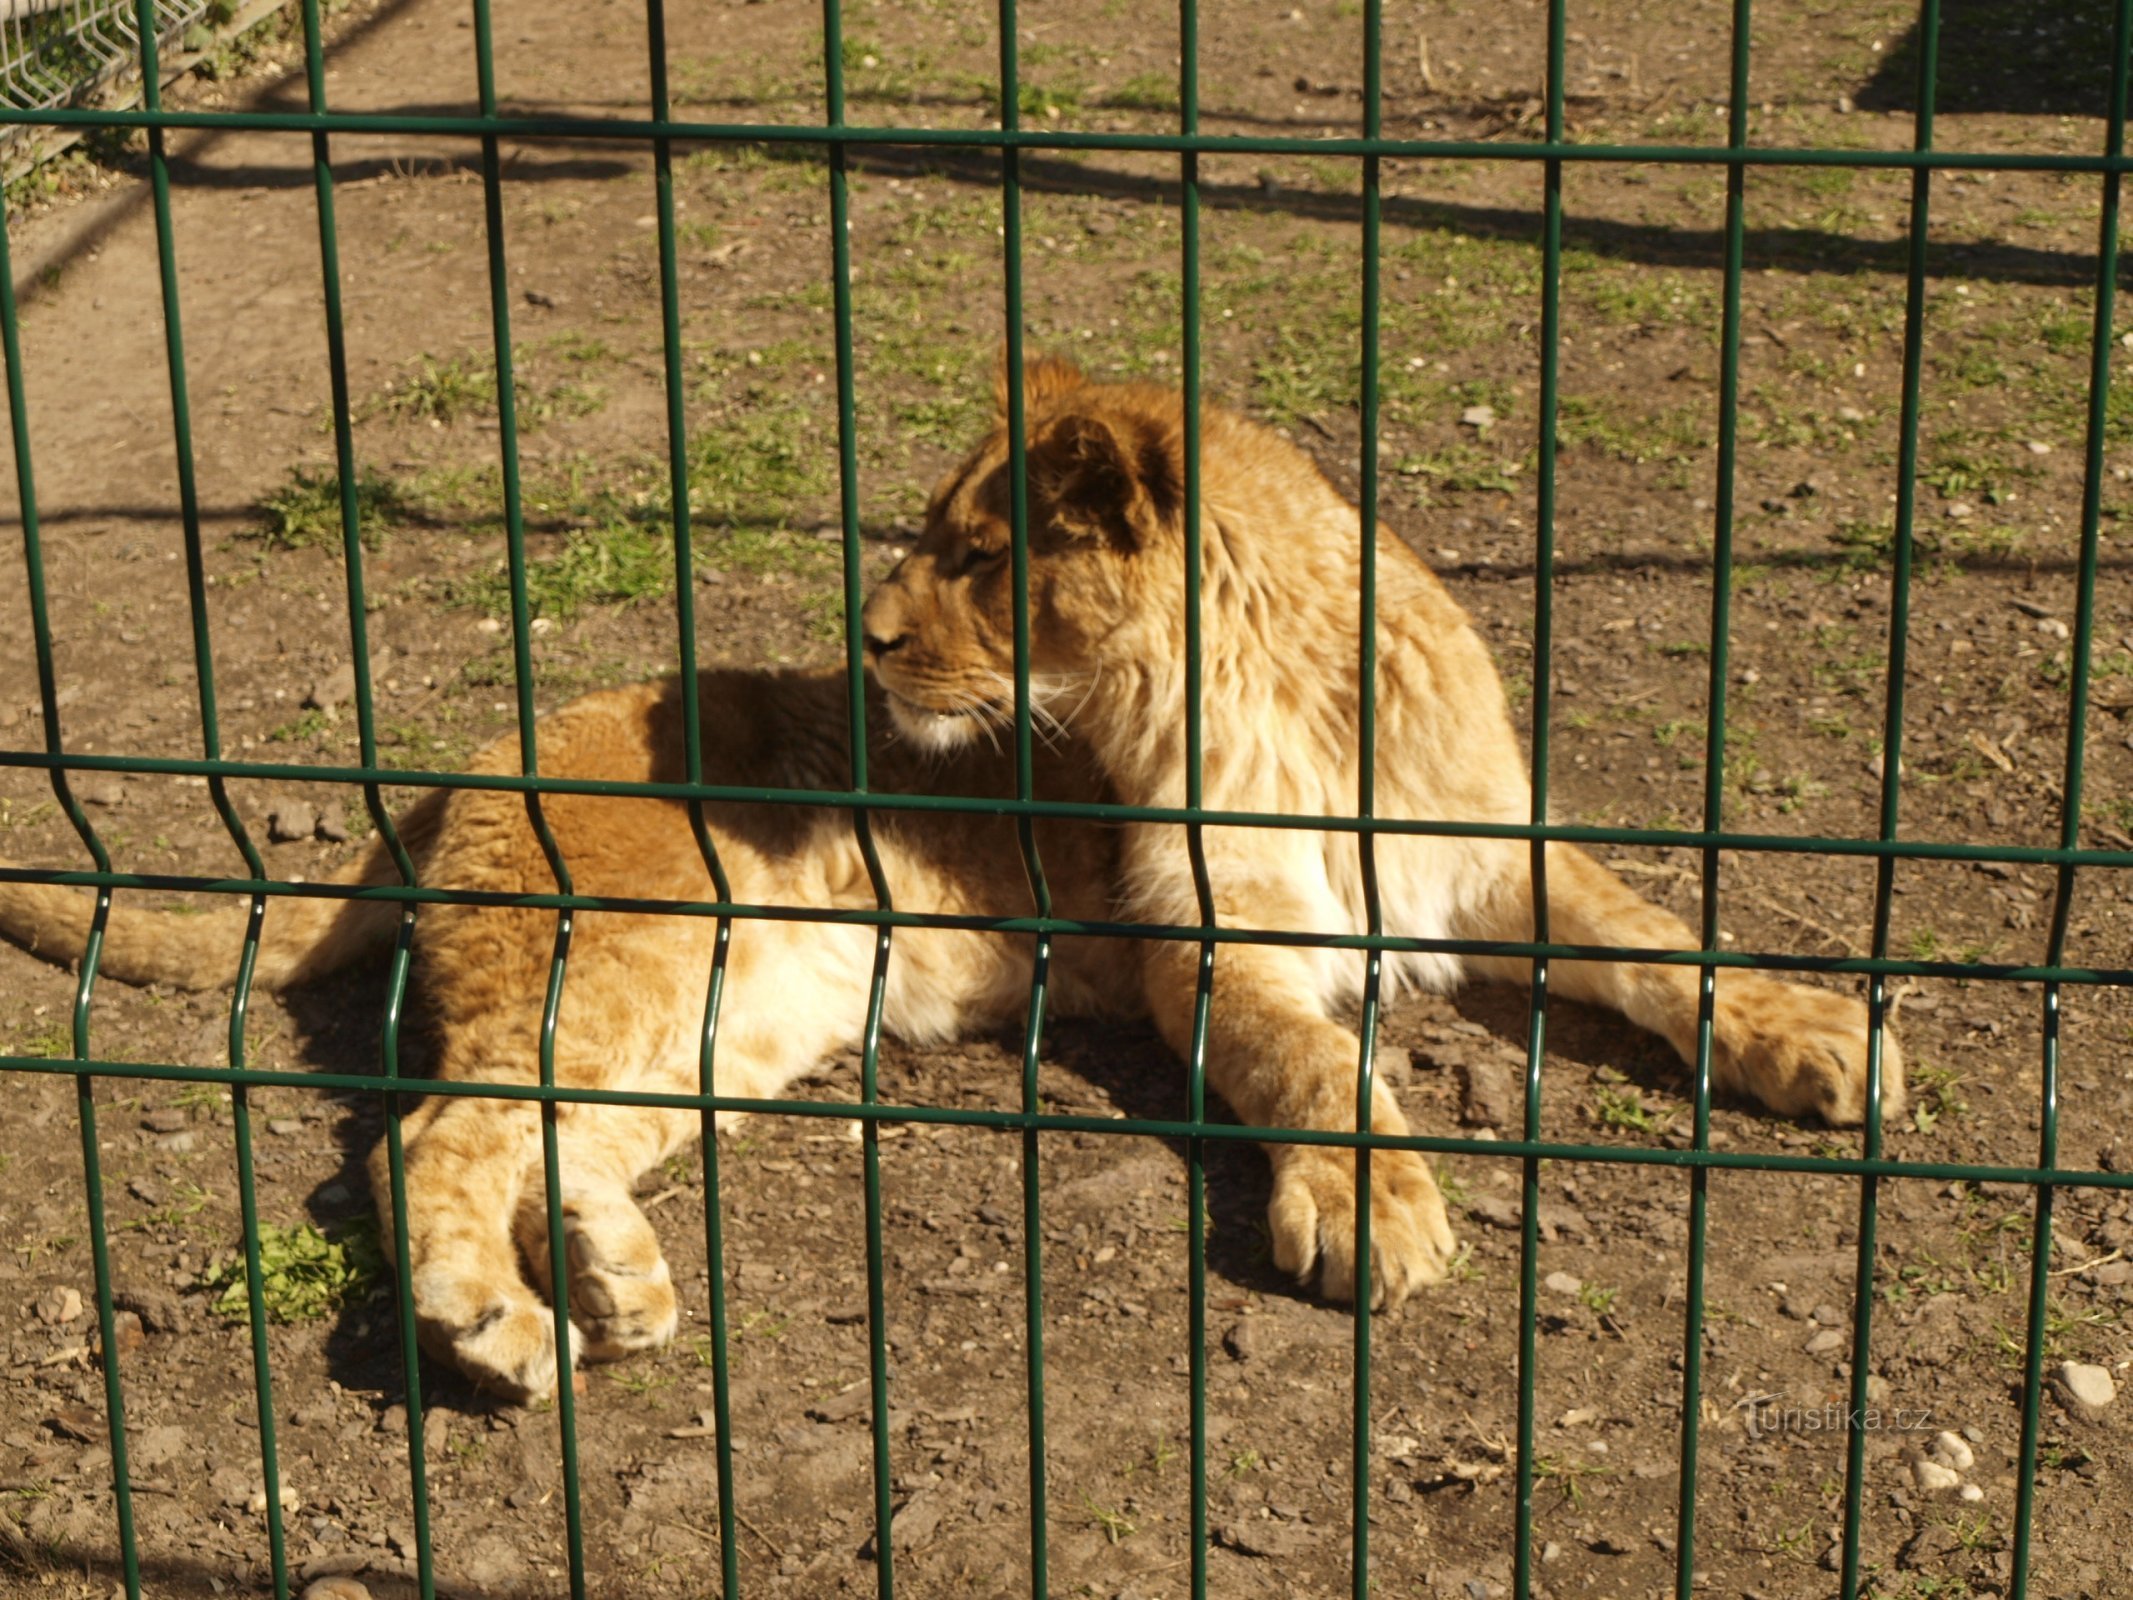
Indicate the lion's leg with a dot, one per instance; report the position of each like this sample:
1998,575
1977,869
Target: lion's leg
621,1292
477,1197
1798,1050
1279,1061
466,1169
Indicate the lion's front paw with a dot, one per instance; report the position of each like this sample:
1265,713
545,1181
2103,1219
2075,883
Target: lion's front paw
498,1335
621,1294
1802,1051
1312,1217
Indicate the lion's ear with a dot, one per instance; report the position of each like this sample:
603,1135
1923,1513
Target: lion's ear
1044,379
1124,482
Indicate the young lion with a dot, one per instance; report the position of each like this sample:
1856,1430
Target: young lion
1280,552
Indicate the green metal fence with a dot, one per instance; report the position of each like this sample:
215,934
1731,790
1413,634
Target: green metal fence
1550,154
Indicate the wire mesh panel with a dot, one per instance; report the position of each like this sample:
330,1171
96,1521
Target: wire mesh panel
40,68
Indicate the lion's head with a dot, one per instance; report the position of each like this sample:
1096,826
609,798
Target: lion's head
1105,474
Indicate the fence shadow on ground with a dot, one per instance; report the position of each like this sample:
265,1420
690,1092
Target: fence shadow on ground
2008,56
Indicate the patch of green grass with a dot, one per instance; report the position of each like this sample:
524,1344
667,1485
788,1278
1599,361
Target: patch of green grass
1464,468
305,1274
187,1200
1624,1109
1598,1298
452,390
1046,100
1116,1525
1936,1092
52,1042
1669,435
614,564
1144,91
1568,1474
306,510
438,391
302,728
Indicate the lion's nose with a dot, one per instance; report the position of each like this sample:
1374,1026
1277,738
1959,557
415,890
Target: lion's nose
878,646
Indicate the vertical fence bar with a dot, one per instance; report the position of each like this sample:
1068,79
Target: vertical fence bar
862,822
692,750
1714,790
1850,1569
529,766
373,795
1366,789
85,984
1025,789
1195,794
211,740
2080,650
1551,333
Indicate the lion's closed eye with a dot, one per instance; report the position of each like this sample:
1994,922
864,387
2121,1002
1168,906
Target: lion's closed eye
976,558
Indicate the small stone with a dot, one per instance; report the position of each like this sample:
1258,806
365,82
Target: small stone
1827,1342
155,1447
1934,1478
167,1119
127,1334
1850,414
256,1502
1826,1316
145,1190
1970,1492
2037,447
337,688
332,828
290,820
285,1126
1490,1096
1845,106
1950,1450
98,788
56,1308
159,1310
2087,1390
1241,1341
338,1587
1959,511
1562,1283
78,1423
1479,417
1493,1209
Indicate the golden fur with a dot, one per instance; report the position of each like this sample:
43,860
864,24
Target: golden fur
1280,559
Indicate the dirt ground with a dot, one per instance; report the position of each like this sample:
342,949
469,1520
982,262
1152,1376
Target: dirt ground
2007,317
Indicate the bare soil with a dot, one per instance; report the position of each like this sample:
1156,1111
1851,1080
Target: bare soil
2008,308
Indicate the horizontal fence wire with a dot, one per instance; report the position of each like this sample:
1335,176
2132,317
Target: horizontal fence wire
29,100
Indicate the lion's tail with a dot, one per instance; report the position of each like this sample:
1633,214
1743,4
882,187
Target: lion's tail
301,939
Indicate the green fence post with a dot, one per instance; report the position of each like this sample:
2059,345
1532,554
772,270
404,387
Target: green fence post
529,766
692,744
1195,795
85,985
2080,656
1714,788
1551,334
